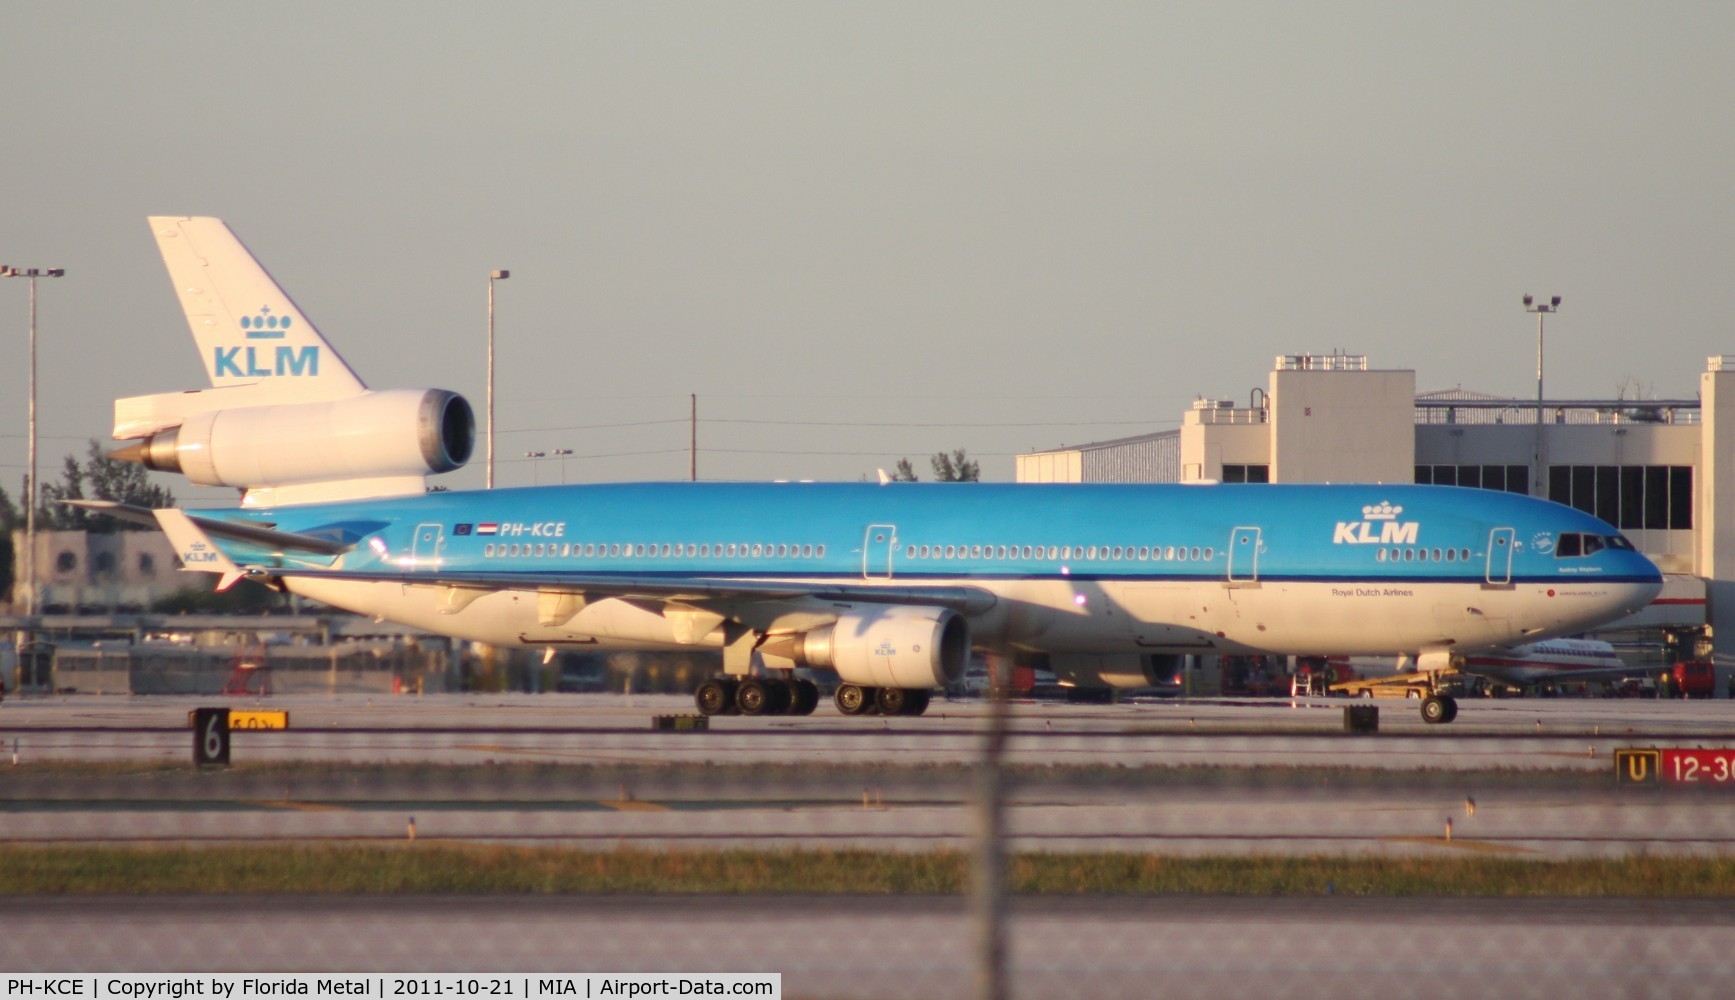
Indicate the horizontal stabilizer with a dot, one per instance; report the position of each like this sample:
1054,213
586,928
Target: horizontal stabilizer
118,511
194,549
252,534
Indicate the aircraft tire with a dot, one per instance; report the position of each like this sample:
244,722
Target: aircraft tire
782,697
1437,710
713,697
853,699
916,702
754,697
892,701
806,697
1451,708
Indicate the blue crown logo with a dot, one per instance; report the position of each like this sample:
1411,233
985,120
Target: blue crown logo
266,326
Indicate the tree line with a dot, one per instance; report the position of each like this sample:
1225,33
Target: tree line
98,477
955,467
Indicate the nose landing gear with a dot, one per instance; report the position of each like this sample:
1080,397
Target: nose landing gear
1438,709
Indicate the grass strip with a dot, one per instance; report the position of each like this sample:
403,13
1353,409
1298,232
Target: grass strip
448,869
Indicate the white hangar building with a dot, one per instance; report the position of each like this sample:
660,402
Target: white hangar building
1661,470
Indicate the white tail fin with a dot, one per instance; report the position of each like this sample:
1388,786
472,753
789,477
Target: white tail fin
249,332
285,420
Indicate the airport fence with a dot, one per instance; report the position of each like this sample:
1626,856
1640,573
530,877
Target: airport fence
1178,848
345,668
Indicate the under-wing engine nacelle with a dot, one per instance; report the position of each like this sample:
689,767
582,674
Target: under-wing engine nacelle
1112,670
886,646
404,432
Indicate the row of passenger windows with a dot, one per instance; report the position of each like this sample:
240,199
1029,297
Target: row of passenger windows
1086,553
1422,555
654,550
649,550
1572,545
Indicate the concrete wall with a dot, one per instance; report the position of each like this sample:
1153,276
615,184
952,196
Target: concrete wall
1343,426
82,570
1207,447
1051,467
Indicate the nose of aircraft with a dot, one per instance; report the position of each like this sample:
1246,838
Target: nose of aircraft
1644,583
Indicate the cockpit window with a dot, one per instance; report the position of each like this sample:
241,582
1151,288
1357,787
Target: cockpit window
1575,544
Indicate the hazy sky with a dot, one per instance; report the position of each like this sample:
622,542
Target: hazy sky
872,230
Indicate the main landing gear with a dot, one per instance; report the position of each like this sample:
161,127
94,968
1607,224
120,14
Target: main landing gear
857,699
795,696
757,696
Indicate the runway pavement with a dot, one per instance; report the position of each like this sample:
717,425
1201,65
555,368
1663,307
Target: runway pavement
1520,779
867,783
473,729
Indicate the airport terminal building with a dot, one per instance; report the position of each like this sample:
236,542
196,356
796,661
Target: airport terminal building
1661,470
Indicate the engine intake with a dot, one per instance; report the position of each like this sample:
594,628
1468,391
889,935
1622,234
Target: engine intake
886,646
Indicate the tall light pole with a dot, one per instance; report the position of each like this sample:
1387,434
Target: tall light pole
493,276
30,475
1539,486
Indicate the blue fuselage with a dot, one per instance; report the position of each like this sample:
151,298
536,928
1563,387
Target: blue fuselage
1267,568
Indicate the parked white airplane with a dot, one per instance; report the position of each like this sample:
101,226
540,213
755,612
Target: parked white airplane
1557,661
889,585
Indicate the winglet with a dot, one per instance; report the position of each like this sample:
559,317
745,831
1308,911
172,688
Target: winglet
195,549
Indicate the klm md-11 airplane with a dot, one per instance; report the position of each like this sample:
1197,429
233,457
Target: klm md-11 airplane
889,585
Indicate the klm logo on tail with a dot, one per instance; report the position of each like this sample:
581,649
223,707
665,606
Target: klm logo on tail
250,361
264,362
1379,526
266,326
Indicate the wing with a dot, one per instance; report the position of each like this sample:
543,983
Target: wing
682,590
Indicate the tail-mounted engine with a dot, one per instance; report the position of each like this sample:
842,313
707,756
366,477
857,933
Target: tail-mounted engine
395,437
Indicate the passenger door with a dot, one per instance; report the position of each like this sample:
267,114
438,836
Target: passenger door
1244,555
877,546
426,549
1500,544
